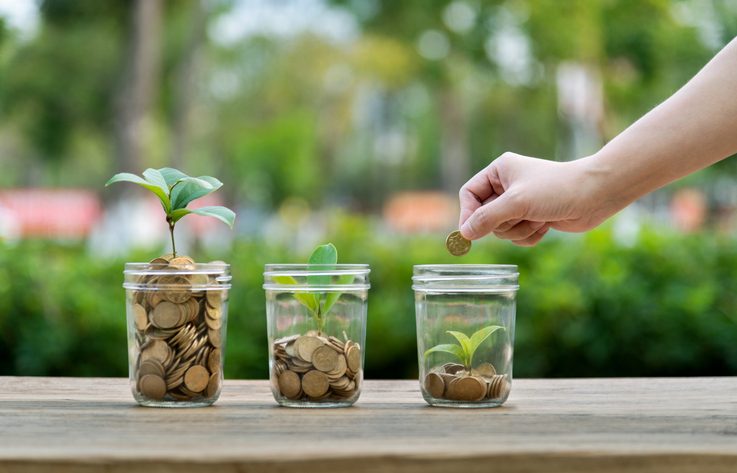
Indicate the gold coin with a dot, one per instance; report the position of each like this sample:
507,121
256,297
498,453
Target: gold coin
467,388
306,345
153,387
157,350
353,357
214,297
434,385
486,370
196,378
340,368
215,337
456,244
290,384
325,358
452,368
315,383
166,315
182,262
151,366
159,261
213,360
140,317
213,386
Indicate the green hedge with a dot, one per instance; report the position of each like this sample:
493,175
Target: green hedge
588,306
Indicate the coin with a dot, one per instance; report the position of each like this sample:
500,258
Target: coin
140,317
166,315
325,358
434,385
456,244
196,378
157,350
315,383
213,385
353,358
486,370
306,345
213,360
153,387
151,366
290,385
467,388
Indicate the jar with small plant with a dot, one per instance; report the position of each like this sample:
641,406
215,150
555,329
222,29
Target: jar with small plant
316,322
177,308
465,318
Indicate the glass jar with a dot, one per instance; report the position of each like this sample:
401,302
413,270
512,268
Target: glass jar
465,333
177,316
316,322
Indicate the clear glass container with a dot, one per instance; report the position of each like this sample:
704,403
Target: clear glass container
316,322
177,318
465,333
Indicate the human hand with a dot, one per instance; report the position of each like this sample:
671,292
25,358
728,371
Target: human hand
520,198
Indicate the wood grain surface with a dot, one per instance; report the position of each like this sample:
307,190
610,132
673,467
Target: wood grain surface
604,425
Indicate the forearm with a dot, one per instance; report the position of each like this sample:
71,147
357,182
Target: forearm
694,128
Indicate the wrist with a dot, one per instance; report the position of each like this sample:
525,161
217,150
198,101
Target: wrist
603,190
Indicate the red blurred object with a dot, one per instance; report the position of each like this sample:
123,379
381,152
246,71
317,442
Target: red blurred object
58,213
416,212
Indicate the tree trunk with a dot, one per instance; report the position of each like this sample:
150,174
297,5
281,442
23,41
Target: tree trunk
139,84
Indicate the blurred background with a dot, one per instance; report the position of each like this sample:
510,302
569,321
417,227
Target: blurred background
354,122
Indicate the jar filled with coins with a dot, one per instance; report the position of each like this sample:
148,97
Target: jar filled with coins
465,333
177,312
316,321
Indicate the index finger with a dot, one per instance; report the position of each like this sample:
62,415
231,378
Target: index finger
482,188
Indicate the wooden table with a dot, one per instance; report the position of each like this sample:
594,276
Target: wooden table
602,425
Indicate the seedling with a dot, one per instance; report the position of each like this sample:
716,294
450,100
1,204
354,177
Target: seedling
466,346
176,190
319,304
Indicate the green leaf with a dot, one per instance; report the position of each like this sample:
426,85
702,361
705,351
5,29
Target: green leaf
154,177
479,337
223,214
128,177
324,255
332,297
187,189
171,176
306,299
463,340
451,348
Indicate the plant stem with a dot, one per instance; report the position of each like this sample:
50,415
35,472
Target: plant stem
173,245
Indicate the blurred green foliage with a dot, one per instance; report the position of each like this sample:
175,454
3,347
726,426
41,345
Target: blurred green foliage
588,305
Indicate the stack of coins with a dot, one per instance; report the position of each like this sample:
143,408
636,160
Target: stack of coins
178,332
453,382
315,367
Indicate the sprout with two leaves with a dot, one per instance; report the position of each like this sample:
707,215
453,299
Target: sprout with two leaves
176,190
466,346
319,304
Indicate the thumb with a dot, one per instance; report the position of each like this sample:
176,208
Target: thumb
489,217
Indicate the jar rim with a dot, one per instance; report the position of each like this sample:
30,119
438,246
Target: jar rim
302,271
476,278
511,267
133,271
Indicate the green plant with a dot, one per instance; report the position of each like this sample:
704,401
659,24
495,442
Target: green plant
176,190
319,304
466,346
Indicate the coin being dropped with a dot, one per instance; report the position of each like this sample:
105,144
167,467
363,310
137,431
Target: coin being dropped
456,244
